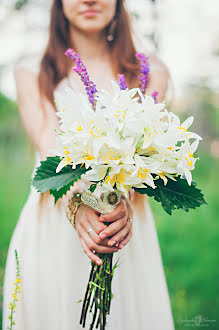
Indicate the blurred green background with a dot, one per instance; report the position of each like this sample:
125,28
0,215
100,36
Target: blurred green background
189,241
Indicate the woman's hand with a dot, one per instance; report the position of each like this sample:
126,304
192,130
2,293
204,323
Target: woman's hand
86,218
120,230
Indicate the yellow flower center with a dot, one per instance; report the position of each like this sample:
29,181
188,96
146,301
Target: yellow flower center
152,149
88,157
189,162
182,128
119,177
67,160
147,135
107,179
120,113
66,152
112,155
142,173
155,131
79,128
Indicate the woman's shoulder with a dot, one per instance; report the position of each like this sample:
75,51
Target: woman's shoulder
26,70
156,62
29,62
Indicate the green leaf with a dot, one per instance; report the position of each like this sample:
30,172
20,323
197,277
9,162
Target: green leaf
59,193
175,195
96,285
46,177
93,187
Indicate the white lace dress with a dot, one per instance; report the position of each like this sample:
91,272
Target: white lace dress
55,270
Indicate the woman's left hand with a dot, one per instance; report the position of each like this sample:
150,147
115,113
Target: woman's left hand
120,230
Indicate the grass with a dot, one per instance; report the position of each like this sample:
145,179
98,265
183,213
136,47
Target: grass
15,172
189,241
189,244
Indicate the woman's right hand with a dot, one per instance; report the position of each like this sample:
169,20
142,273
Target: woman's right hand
86,218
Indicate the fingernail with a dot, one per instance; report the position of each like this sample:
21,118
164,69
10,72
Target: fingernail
103,235
101,219
120,247
99,262
111,243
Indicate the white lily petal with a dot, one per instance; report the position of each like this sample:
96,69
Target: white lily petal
188,176
187,123
60,166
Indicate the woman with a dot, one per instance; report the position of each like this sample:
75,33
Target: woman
53,257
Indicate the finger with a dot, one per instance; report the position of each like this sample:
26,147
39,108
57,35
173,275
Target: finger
96,238
96,224
90,254
93,211
125,240
98,248
113,228
119,212
119,236
93,222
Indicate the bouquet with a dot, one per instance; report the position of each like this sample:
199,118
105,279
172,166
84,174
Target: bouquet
118,140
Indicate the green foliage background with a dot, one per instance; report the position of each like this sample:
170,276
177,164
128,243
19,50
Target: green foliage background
189,241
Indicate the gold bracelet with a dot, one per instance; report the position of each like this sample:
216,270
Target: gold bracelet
72,208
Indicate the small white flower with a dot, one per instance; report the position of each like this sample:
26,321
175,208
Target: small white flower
186,160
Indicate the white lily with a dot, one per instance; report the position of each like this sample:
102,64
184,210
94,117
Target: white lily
186,160
127,141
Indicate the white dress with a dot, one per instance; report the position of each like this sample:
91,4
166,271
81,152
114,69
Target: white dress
55,270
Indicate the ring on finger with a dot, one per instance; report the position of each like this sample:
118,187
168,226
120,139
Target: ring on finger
130,219
89,230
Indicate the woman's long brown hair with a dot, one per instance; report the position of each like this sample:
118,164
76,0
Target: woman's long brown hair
55,66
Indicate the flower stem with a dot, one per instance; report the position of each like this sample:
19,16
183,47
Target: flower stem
98,292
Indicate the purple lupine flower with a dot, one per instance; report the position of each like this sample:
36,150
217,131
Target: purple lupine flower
144,71
81,70
154,95
122,81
